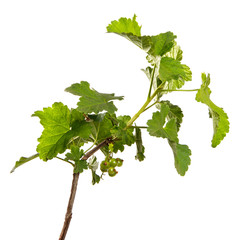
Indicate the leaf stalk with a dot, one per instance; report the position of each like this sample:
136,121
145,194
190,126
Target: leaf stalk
151,82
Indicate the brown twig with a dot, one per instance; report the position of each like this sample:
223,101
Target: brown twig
68,215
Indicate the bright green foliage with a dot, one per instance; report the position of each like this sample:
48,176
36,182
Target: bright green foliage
101,125
56,133
125,25
220,118
91,100
76,155
139,143
161,44
80,166
174,112
175,52
95,178
182,157
58,130
154,45
22,161
156,125
123,135
94,120
174,116
171,69
163,54
130,29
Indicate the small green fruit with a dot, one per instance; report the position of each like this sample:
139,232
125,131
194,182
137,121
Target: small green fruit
104,165
119,162
112,172
113,162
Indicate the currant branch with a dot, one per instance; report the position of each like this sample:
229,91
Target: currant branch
68,215
95,121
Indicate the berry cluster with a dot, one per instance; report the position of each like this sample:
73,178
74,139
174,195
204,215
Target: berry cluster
109,164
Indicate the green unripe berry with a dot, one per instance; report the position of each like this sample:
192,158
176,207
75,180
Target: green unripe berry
112,172
113,162
104,165
103,169
119,162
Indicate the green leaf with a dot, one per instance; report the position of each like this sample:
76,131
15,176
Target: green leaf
161,44
95,178
182,157
129,29
154,45
125,25
139,143
156,128
101,126
55,136
123,135
156,125
91,100
23,160
93,165
171,69
76,115
59,130
220,118
174,112
75,154
80,166
175,52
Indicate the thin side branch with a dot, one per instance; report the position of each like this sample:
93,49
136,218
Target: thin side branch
68,215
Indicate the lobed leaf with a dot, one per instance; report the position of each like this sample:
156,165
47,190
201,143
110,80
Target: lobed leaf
75,154
59,130
174,112
80,166
123,135
156,125
101,125
220,118
182,157
161,44
55,136
171,69
156,45
175,52
156,128
125,25
91,100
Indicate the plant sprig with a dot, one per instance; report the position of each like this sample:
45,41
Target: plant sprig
94,121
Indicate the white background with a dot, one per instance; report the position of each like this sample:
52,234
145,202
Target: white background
45,46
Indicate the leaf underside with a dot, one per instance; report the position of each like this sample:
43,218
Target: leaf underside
163,54
22,161
220,118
